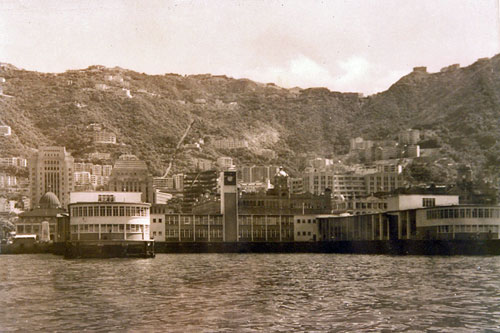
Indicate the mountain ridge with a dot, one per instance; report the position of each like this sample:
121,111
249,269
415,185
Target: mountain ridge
149,112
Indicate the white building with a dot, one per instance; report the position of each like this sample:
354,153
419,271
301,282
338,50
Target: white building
225,162
157,222
82,178
5,130
13,161
96,216
106,170
306,228
104,137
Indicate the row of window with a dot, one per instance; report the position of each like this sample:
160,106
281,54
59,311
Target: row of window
188,219
103,228
262,233
35,229
467,228
306,221
463,213
109,211
186,233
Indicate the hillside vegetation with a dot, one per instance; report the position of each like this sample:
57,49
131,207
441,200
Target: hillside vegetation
149,114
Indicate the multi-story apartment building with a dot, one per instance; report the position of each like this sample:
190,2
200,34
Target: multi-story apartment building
257,173
347,186
96,169
51,170
409,136
296,185
343,186
82,177
100,156
7,180
106,170
14,161
160,182
388,178
83,167
230,144
225,162
104,137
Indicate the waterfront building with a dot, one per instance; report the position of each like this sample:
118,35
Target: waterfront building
51,170
157,227
305,228
193,228
211,228
417,217
42,219
108,216
361,205
131,175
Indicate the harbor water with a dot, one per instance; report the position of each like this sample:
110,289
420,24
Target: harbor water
250,293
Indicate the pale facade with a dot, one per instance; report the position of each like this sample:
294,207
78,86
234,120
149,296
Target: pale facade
157,227
118,216
305,228
104,137
51,170
5,130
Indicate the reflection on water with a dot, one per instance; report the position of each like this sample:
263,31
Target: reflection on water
250,292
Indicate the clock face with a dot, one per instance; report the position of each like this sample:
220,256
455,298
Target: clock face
230,178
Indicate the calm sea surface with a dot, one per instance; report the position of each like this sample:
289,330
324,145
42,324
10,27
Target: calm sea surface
250,293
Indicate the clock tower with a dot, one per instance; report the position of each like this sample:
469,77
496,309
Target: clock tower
229,205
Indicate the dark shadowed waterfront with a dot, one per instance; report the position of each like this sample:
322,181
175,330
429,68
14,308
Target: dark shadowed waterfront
250,292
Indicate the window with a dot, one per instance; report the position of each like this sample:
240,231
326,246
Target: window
428,202
154,220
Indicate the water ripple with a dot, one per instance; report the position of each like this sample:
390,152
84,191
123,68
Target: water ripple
251,293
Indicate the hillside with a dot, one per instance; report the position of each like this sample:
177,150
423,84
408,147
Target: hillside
149,113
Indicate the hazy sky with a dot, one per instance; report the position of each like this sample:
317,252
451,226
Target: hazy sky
361,45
